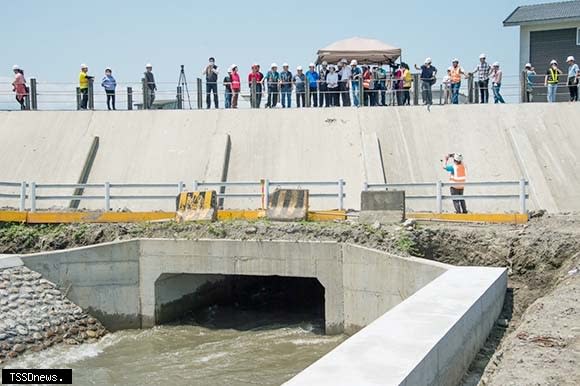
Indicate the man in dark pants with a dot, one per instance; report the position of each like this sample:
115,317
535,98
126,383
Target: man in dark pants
344,75
84,80
151,86
457,179
312,79
211,72
482,70
323,97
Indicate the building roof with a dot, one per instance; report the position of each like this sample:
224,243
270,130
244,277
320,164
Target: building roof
549,12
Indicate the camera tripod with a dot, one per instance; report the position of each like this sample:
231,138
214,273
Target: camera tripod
182,82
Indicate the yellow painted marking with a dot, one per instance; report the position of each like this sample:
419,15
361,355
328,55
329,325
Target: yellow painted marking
241,214
499,218
328,215
12,216
96,217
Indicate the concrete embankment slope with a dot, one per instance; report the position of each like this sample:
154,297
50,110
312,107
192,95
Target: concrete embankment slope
539,142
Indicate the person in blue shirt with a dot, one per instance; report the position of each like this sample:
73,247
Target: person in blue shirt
356,81
312,77
109,84
573,76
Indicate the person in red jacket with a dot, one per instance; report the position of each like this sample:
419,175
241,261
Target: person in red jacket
236,86
257,77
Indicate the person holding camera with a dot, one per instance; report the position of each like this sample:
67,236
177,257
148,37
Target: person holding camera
457,178
84,80
211,72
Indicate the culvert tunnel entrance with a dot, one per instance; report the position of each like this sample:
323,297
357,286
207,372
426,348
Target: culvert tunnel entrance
239,302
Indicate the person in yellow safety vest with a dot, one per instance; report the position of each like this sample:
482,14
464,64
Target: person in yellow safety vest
84,86
551,80
457,178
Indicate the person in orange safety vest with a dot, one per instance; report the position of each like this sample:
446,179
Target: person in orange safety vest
457,178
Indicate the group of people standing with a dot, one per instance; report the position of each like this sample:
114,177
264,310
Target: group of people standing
345,84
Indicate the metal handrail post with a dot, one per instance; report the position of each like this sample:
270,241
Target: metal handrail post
129,98
179,98
267,191
107,196
145,93
361,92
22,206
33,94
340,194
78,98
307,91
416,89
522,196
253,96
440,94
33,196
470,88
365,186
195,184
439,196
91,94
179,187
199,94
523,87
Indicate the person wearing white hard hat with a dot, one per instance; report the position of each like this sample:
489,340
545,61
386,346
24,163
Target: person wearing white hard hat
286,86
573,75
530,72
551,80
455,72
84,80
151,86
356,82
323,97
344,76
482,70
457,177
227,82
273,81
496,77
299,81
333,95
109,84
428,79
19,86
312,77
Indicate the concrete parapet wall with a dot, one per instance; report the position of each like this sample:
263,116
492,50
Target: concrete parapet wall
430,339
539,142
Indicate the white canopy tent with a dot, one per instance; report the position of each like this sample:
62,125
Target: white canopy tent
365,51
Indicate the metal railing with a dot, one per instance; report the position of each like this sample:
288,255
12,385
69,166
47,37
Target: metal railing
387,91
439,197
33,192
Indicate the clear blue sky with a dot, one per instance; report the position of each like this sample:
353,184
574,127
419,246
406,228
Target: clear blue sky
50,39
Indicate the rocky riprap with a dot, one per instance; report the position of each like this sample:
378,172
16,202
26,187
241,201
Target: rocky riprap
34,315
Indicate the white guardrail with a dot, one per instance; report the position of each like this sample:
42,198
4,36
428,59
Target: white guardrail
521,195
30,191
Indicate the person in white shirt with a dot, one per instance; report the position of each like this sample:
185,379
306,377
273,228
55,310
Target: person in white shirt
496,76
332,86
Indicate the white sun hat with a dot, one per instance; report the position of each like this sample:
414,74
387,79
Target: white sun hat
16,67
570,59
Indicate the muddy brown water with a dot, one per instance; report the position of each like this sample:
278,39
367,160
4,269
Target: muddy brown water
264,349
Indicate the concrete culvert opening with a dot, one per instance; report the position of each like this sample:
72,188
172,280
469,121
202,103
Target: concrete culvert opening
239,302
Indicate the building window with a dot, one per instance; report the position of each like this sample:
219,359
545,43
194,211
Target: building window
578,36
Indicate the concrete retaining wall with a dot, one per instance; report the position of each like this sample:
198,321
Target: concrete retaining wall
404,144
430,339
103,279
375,282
